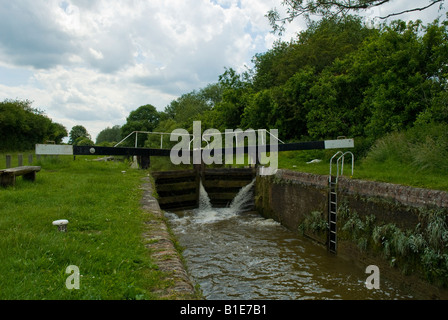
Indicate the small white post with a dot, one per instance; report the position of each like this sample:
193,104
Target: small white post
62,224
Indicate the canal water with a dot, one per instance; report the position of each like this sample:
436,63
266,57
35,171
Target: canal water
236,255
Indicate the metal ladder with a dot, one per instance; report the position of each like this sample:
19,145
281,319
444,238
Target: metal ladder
333,199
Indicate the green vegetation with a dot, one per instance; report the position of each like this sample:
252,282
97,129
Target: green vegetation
416,157
108,136
79,136
307,8
423,249
385,87
22,126
104,237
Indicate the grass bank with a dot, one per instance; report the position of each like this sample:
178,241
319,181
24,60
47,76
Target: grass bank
390,170
104,238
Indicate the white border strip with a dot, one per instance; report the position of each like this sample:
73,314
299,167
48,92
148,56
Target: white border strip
54,149
341,143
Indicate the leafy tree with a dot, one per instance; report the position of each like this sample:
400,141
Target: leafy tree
192,106
77,134
109,135
387,85
186,109
316,47
236,91
331,8
292,111
58,133
22,126
144,118
337,78
84,141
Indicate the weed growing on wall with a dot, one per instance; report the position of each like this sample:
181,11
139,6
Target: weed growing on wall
316,223
423,250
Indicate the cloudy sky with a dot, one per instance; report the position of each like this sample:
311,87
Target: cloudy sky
90,63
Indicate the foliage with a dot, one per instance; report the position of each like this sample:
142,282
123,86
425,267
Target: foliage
22,126
79,136
315,223
317,47
307,8
144,118
422,249
109,135
339,77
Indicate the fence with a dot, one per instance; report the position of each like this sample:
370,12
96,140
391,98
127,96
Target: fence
10,160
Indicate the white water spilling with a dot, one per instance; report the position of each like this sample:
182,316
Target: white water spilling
244,199
233,254
204,200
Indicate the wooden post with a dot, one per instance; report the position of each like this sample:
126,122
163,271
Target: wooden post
144,162
30,159
20,159
8,161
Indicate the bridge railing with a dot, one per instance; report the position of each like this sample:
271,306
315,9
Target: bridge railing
236,135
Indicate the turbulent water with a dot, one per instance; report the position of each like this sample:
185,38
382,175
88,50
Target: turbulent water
237,255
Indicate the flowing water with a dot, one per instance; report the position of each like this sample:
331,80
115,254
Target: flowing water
237,255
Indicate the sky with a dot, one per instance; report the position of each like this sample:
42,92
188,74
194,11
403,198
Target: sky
92,62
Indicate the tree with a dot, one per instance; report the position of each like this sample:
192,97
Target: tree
84,141
144,118
192,106
77,134
317,47
22,126
58,132
109,135
328,8
396,78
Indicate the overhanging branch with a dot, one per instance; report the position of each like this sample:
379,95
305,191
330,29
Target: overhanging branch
412,10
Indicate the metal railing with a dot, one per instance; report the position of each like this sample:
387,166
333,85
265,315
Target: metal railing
236,134
340,160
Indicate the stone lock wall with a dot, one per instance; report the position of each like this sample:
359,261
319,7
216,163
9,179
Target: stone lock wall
289,196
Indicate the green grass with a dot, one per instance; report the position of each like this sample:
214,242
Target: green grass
104,237
388,170
366,169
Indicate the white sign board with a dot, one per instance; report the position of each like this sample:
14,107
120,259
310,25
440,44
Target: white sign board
340,143
54,149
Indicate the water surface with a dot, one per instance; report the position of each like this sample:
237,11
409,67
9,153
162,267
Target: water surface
236,255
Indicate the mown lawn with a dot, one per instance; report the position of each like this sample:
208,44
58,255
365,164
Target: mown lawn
104,237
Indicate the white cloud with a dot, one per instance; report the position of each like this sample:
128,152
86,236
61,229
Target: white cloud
92,62
95,61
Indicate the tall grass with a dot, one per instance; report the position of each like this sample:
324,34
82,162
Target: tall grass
424,148
417,157
104,238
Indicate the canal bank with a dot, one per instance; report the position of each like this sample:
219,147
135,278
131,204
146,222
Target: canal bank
400,229
161,244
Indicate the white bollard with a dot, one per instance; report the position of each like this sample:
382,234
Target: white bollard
62,224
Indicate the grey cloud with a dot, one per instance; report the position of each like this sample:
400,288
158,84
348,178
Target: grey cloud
115,47
29,38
